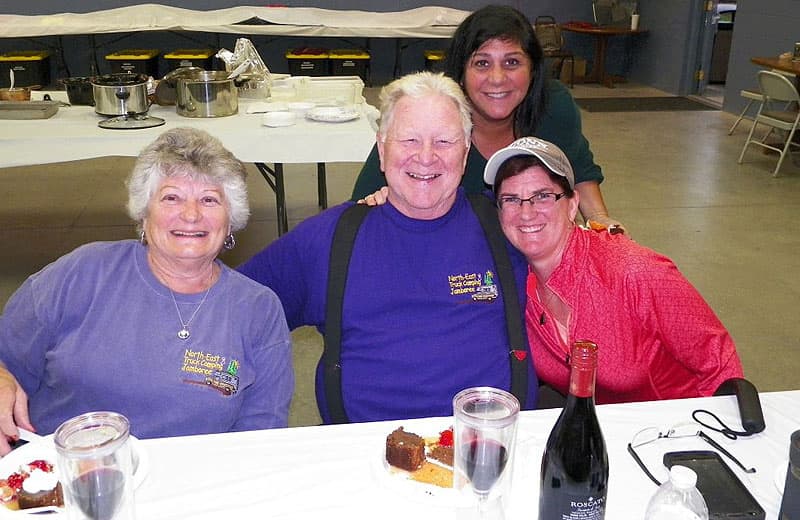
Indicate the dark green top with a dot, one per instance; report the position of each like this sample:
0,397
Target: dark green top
560,124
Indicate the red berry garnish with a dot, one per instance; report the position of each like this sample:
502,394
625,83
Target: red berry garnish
42,465
15,481
446,437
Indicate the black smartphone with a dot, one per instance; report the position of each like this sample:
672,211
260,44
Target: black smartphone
726,497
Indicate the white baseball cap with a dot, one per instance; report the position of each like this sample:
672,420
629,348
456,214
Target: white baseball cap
550,154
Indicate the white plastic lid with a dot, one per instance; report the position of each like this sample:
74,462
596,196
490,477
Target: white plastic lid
682,477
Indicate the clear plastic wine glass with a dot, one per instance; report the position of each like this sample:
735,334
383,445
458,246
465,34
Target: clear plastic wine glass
485,427
96,467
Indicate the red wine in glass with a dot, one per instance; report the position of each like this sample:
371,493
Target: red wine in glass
484,462
99,492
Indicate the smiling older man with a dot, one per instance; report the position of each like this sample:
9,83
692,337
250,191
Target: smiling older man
423,310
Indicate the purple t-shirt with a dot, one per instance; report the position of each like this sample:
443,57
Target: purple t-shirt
420,322
95,330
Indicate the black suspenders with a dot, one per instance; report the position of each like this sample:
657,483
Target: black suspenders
343,239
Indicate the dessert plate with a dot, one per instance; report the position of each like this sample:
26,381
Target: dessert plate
46,450
332,114
400,481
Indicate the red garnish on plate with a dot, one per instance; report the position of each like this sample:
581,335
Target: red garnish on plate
42,465
15,481
446,437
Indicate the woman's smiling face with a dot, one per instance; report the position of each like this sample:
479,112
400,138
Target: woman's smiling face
539,233
187,219
496,79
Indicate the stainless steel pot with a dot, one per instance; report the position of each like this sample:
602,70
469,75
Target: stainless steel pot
207,94
167,87
120,94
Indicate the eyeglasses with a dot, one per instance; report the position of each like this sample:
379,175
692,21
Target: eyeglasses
652,434
542,200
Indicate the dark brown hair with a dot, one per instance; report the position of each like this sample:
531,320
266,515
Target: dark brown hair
503,23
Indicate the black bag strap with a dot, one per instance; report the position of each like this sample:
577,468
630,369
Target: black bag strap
341,250
518,348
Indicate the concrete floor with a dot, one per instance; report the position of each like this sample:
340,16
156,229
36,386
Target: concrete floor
671,177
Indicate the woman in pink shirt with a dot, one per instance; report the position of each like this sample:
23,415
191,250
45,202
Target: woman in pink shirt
657,336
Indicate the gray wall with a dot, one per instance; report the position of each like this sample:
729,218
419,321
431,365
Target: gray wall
660,58
762,28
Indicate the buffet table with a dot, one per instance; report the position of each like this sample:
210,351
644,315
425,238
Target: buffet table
72,134
337,471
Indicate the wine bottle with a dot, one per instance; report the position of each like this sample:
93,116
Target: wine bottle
574,475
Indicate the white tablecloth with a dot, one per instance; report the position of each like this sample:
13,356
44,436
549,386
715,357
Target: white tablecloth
72,134
423,22
336,472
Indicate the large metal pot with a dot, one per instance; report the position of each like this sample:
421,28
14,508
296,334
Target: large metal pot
207,94
120,94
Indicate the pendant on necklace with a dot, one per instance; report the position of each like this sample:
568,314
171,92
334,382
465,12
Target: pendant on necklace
183,333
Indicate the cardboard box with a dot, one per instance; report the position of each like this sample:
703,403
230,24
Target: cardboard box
350,62
134,61
202,58
308,61
580,70
31,68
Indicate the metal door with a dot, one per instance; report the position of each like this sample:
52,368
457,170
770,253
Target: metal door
708,29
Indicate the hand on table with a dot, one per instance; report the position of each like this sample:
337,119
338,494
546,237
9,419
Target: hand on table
13,410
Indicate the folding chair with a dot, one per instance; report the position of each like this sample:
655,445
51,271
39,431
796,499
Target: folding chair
775,88
752,97
548,32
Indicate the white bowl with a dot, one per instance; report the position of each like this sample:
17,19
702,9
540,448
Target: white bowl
278,118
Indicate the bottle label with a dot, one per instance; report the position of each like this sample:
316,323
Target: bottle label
563,506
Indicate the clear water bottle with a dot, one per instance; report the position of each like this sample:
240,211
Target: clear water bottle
678,498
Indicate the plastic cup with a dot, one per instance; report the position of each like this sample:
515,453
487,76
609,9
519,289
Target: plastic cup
485,427
95,466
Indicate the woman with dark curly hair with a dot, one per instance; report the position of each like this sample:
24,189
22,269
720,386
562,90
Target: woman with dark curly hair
495,57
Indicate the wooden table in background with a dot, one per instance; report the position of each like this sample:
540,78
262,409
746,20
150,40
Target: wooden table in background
785,65
601,35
